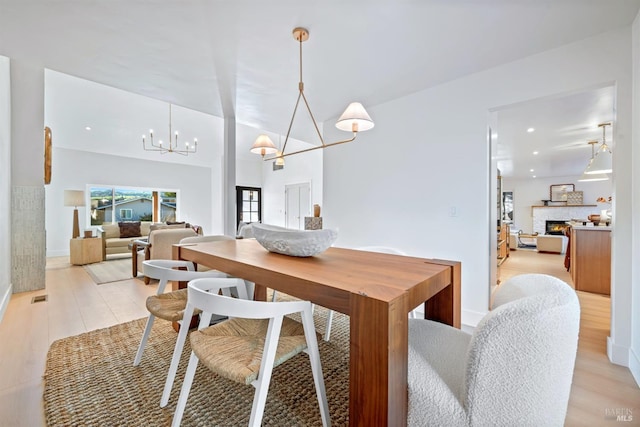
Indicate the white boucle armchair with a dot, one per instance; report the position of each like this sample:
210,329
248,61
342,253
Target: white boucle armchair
516,368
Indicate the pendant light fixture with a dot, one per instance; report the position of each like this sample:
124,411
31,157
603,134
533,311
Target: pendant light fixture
590,177
354,119
172,146
602,162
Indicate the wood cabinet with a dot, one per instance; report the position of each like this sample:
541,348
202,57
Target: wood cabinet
591,259
85,251
503,247
503,243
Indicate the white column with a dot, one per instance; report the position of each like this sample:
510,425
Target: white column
230,176
27,176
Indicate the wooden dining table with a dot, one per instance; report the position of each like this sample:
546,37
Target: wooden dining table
376,291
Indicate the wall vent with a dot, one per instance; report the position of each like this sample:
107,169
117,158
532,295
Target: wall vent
39,298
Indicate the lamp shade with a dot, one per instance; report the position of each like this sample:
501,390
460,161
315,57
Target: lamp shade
355,119
263,145
73,198
591,177
602,162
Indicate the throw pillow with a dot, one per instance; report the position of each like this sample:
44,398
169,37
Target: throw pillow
174,222
129,229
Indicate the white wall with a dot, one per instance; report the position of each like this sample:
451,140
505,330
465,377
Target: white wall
248,165
419,180
634,352
531,192
75,169
253,172
5,184
111,153
299,168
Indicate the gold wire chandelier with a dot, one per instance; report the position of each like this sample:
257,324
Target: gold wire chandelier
172,147
354,119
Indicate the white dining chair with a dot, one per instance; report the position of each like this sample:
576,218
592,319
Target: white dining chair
248,346
228,286
168,306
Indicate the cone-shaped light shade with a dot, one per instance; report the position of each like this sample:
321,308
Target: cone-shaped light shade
263,145
355,114
602,162
590,177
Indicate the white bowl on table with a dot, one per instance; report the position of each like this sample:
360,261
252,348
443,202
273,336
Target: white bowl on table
287,241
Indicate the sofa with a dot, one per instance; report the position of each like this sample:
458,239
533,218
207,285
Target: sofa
117,237
159,245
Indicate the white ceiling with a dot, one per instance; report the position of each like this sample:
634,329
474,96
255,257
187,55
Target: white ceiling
238,58
562,125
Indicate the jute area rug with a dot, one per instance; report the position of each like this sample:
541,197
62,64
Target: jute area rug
112,270
90,380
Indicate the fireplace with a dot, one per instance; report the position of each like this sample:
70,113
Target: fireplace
556,227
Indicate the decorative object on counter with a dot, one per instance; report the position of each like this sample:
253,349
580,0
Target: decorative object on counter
286,241
558,192
605,214
74,198
354,119
574,198
312,223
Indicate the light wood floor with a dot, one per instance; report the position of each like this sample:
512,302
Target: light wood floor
76,304
598,385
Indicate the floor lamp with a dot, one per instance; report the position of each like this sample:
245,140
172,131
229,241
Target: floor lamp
74,198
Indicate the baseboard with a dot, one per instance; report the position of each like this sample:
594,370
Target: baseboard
57,253
617,354
634,365
5,301
472,318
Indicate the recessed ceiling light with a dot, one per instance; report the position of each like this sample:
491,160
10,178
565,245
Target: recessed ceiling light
530,170
535,153
87,128
530,130
534,176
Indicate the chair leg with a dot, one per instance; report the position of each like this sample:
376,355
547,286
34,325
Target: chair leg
143,341
316,366
186,388
327,330
266,368
173,368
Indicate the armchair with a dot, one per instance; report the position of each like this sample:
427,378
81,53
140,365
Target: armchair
516,368
158,246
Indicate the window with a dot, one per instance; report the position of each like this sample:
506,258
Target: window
126,214
114,204
248,204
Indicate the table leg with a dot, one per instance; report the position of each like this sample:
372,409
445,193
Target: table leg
378,362
444,306
259,293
